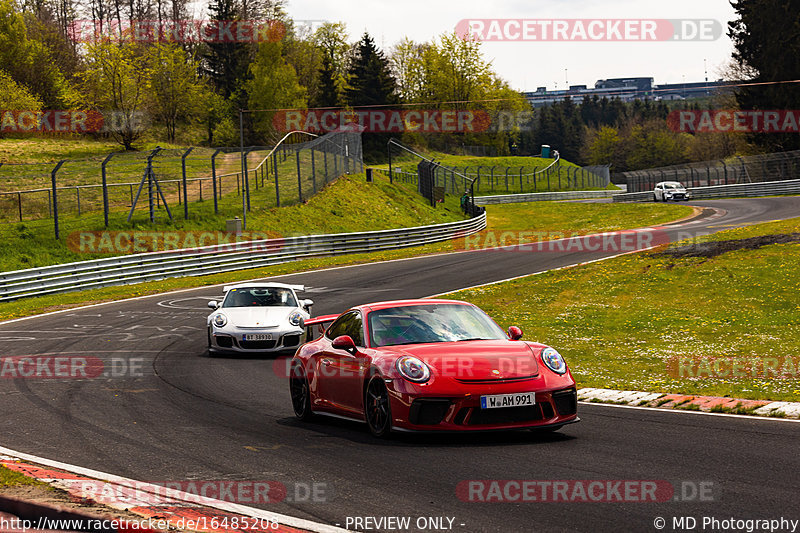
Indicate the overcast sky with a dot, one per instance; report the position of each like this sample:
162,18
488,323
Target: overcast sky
528,65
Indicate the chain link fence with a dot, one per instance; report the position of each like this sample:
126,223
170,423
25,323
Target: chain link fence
733,170
161,184
486,179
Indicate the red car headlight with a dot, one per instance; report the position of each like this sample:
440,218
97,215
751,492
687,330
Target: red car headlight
553,360
413,369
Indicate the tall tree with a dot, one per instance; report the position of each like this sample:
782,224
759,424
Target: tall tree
370,84
327,94
116,80
175,92
371,80
273,86
226,63
767,42
30,62
331,39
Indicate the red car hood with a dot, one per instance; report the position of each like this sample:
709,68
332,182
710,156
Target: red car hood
475,360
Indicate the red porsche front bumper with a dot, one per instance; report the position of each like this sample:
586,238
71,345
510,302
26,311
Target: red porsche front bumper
462,411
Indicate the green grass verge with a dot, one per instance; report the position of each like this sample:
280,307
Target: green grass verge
12,478
348,204
627,322
554,219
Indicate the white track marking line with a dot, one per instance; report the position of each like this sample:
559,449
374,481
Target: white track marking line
178,495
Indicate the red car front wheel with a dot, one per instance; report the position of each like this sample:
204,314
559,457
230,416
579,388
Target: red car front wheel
377,410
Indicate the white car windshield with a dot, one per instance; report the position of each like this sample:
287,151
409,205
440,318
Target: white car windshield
417,324
260,297
673,186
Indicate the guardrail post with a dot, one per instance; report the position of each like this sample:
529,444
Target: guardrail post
105,186
214,179
185,189
55,195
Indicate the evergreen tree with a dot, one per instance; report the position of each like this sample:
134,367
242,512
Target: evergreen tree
767,42
371,80
371,84
226,63
327,95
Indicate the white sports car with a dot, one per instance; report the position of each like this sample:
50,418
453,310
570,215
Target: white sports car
258,317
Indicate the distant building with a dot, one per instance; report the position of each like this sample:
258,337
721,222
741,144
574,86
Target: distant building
627,90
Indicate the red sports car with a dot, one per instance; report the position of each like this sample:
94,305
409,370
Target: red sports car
425,365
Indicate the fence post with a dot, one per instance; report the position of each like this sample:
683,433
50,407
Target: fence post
105,186
313,172
19,200
78,198
277,187
214,179
185,190
299,181
55,195
389,153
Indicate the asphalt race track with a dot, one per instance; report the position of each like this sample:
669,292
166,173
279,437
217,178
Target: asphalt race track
186,416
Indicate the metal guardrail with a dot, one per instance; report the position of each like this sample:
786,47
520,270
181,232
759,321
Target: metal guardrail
151,266
739,190
543,196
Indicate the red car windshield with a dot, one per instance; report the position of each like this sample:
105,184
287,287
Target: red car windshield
418,324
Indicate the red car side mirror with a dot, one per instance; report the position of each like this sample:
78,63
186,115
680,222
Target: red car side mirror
514,333
344,342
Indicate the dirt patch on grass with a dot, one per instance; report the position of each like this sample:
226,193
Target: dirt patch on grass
715,248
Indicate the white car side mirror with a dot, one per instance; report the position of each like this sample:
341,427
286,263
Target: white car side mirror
213,304
306,304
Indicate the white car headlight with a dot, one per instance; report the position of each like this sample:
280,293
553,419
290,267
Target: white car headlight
295,318
553,360
220,320
413,369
